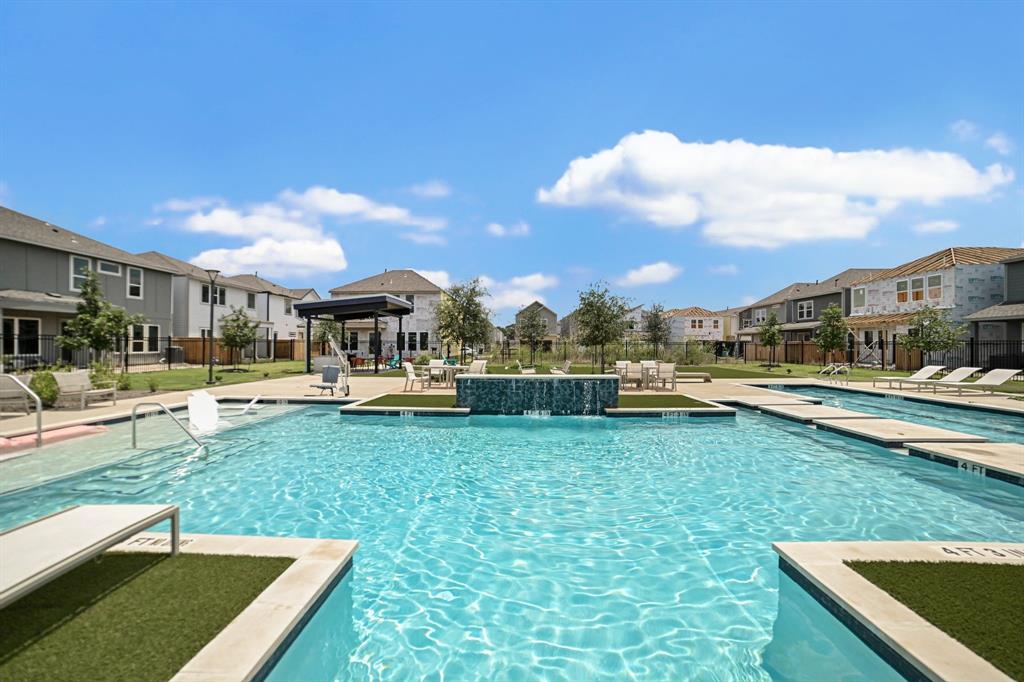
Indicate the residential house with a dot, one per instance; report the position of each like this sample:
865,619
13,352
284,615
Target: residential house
550,317
42,267
1003,320
730,322
960,280
695,324
754,315
275,302
634,322
418,332
569,326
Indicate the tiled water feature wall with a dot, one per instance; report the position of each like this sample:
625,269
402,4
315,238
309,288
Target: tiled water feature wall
537,394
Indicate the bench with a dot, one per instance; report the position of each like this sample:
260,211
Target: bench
703,376
78,385
39,551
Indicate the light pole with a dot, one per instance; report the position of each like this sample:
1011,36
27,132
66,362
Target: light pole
209,334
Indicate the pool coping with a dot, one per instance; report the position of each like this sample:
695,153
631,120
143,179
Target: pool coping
895,394
913,646
359,408
849,427
251,643
950,455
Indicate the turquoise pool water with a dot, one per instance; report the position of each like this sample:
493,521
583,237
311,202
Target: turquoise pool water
999,428
562,548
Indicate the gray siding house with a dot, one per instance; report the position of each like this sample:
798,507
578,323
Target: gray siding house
550,317
41,269
1003,321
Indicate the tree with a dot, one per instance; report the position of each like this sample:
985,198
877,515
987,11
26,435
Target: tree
602,317
98,324
832,333
531,329
771,335
238,331
462,316
325,331
931,331
655,326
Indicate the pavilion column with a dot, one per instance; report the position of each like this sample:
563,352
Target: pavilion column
376,345
401,350
309,345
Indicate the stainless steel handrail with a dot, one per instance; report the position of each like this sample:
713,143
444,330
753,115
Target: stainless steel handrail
39,407
169,414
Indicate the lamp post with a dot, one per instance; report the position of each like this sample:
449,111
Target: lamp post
209,334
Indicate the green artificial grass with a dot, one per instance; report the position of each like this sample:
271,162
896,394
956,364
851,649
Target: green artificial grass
976,604
136,617
412,400
667,400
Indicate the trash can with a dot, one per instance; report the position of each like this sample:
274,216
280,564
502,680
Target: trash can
175,355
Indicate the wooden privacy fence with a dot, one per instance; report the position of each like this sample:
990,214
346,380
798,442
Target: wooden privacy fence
808,353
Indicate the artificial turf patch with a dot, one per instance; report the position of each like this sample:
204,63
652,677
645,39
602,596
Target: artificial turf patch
976,604
132,617
411,400
667,400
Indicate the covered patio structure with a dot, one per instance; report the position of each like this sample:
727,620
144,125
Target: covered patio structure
353,308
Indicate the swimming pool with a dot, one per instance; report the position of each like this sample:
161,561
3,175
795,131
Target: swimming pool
561,548
996,426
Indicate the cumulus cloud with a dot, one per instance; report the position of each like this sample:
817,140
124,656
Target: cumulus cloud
768,196
936,226
277,258
427,238
964,129
727,269
432,189
192,204
520,229
516,292
99,221
652,273
355,207
1000,143
439,277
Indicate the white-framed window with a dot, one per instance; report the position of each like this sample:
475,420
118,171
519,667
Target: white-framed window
917,289
696,324
21,335
80,267
760,315
805,310
220,295
934,287
108,268
859,297
250,301
714,323
902,291
145,338
287,306
134,282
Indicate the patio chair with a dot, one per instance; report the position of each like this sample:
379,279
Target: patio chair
395,362
525,370
923,373
414,374
954,377
477,367
664,374
14,396
620,368
436,371
990,381
564,369
328,379
634,374
78,386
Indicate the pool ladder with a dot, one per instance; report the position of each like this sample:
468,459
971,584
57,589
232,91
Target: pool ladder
39,406
170,414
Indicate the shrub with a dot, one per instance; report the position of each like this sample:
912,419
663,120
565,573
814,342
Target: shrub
266,375
101,374
422,359
152,383
45,386
124,382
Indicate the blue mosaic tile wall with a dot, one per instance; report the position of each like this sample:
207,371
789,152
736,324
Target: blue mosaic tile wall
518,394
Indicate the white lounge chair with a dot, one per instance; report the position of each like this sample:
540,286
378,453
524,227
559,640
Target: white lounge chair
78,386
990,381
923,373
239,410
13,395
564,369
954,377
414,374
525,370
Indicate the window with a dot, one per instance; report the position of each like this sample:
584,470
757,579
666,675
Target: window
353,340
901,291
287,306
696,324
220,295
134,282
805,310
250,301
714,324
79,270
760,315
203,332
424,340
917,289
112,269
859,299
412,341
21,336
934,287
410,298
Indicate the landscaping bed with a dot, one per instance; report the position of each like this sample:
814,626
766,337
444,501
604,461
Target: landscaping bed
976,604
669,400
411,400
128,616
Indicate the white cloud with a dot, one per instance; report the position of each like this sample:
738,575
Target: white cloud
193,204
1000,142
329,201
964,129
260,220
427,238
764,195
153,222
431,189
652,273
936,226
520,229
747,300
439,277
99,221
516,292
277,258
727,269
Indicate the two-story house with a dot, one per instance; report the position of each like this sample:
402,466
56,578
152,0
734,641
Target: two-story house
961,280
42,268
552,331
419,328
754,315
730,322
274,303
634,323
695,324
1003,321
569,326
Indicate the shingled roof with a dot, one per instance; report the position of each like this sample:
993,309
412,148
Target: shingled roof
947,258
389,282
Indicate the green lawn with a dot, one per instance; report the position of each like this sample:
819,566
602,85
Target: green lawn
977,604
412,400
654,400
195,377
133,617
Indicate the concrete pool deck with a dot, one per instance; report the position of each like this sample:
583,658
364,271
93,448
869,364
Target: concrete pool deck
894,433
977,458
806,414
893,630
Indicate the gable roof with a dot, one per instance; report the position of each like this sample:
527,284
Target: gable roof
780,296
836,283
692,311
536,304
19,227
947,258
180,267
389,281
257,283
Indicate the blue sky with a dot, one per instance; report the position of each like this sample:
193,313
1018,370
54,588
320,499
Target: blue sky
322,143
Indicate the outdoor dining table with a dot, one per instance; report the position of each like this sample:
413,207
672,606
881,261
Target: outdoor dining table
449,372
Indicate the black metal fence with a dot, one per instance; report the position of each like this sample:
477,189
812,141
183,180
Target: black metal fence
682,352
